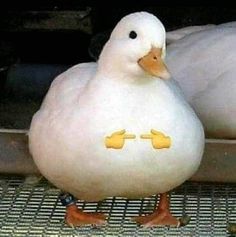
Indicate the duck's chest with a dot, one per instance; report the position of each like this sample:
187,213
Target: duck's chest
136,110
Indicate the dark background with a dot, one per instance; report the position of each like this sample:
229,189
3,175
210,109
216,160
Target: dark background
30,59
70,47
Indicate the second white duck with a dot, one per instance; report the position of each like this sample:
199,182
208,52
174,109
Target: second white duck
203,62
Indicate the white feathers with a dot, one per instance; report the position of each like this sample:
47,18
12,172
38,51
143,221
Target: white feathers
67,134
121,53
203,63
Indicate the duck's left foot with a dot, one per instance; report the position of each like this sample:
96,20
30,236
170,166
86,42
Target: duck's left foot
158,218
162,216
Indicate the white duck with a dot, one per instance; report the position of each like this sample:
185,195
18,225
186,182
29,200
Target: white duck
118,128
203,63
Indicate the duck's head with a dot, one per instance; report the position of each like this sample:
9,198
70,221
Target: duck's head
136,48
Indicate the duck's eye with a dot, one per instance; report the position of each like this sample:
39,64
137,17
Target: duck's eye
132,34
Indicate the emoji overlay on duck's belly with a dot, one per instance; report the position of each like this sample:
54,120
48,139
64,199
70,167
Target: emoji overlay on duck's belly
117,139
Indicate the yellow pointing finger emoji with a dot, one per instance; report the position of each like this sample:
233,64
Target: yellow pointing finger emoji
117,139
159,139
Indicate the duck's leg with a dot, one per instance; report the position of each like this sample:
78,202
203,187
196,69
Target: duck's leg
161,216
76,217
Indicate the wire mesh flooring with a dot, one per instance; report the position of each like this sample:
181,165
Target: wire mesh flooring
33,209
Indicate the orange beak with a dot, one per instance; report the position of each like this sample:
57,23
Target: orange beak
153,64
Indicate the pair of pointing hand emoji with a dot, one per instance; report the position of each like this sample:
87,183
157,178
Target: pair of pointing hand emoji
117,139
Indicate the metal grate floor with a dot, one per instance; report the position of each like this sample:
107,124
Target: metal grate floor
28,209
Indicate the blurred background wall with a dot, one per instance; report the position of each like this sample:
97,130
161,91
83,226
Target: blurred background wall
41,39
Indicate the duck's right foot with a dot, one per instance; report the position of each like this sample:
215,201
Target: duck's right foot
75,217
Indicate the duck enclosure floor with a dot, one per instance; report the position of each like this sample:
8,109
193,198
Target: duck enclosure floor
32,208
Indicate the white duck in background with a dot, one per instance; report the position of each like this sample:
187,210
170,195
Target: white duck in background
202,60
119,127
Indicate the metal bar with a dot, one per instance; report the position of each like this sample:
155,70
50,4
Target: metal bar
14,153
219,162
218,165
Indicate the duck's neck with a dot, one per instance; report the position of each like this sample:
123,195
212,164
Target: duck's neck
109,74
110,70
118,68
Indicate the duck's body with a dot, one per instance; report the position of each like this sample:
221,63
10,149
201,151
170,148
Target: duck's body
74,156
92,137
203,63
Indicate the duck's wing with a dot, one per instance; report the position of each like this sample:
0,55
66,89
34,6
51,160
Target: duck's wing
199,59
231,24
172,36
69,85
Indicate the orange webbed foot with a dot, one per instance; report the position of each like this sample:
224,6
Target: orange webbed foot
75,217
162,216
